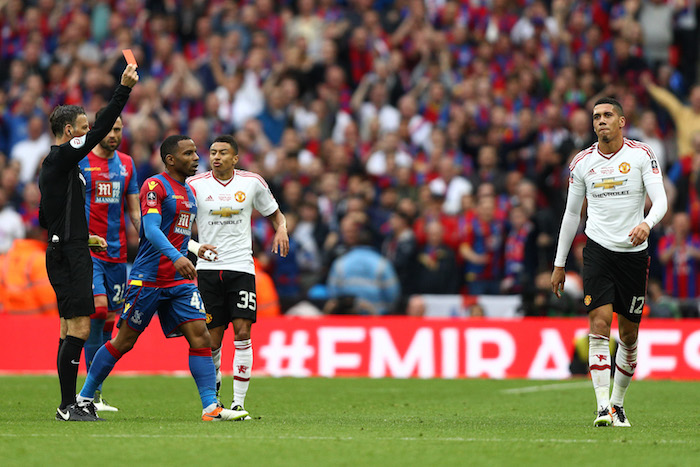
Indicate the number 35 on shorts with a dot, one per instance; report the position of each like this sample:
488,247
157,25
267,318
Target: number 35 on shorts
247,300
196,302
637,305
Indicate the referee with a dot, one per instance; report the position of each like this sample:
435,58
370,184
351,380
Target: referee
62,213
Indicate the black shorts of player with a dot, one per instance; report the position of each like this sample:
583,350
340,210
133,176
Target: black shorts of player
69,267
227,295
614,277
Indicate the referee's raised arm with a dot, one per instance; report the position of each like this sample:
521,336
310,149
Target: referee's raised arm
73,150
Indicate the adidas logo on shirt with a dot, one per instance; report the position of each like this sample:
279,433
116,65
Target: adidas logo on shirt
209,198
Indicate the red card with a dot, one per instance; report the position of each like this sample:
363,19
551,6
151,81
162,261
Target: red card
129,56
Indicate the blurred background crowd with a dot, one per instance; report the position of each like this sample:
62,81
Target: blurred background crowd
416,146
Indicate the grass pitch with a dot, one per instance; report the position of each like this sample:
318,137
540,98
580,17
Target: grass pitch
353,422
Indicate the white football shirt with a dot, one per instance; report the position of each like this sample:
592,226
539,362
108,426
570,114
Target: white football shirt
614,186
224,210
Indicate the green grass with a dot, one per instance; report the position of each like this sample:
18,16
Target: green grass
353,422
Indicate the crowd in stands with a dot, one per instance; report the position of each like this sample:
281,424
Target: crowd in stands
416,146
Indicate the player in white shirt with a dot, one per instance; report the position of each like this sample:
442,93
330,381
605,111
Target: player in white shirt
226,198
614,176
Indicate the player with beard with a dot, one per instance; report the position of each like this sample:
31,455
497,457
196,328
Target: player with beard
111,189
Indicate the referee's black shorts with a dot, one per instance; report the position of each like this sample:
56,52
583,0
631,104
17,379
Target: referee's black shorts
227,295
614,277
70,273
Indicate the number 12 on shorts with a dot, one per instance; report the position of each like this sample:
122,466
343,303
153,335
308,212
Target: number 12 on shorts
637,305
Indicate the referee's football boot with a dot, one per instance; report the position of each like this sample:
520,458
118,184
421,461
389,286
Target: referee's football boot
220,414
240,408
102,405
84,412
619,417
604,418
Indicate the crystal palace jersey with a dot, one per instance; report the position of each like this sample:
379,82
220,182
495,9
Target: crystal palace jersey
224,218
614,186
174,201
107,182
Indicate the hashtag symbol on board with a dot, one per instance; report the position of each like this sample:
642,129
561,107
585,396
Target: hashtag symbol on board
287,359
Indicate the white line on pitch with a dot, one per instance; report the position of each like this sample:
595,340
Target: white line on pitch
345,438
548,387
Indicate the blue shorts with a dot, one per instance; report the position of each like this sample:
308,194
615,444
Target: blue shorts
109,279
174,305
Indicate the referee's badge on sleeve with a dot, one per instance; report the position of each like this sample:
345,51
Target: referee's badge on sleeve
78,141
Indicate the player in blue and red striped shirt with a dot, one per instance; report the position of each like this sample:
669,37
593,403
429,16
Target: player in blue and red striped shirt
110,189
162,280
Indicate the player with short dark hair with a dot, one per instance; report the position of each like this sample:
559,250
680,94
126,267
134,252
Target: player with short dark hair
111,189
62,213
226,197
614,176
162,280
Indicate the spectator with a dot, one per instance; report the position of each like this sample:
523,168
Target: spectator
685,117
482,249
30,151
679,253
24,282
11,225
362,277
436,271
400,248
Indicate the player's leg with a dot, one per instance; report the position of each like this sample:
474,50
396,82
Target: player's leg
97,323
186,314
242,360
97,319
217,337
106,357
625,364
243,303
600,320
113,285
599,296
631,285
141,305
213,292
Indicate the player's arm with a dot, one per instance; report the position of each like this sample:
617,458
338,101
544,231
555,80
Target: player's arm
77,148
569,226
133,205
280,243
659,205
151,228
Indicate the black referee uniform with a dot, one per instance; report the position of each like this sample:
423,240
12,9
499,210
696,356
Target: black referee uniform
62,213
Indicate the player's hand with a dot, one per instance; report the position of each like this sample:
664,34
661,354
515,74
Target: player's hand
639,234
558,278
281,242
130,77
208,252
97,243
185,268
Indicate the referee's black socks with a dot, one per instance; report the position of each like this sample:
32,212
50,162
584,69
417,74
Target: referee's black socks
68,363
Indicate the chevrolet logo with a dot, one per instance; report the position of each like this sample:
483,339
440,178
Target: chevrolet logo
608,183
225,212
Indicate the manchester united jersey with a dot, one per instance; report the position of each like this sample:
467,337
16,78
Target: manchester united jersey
614,186
174,201
224,216
107,182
